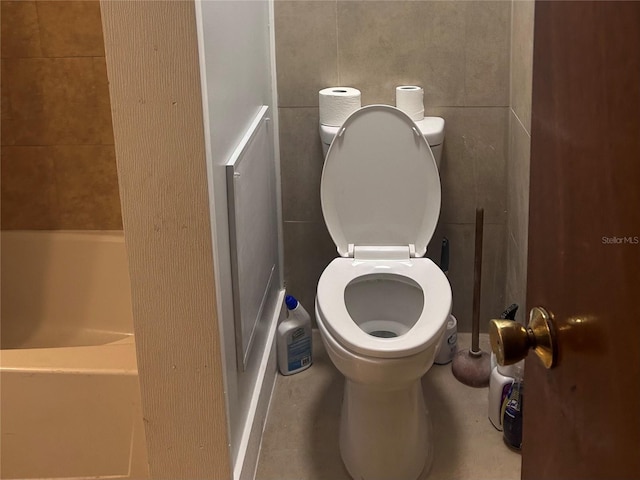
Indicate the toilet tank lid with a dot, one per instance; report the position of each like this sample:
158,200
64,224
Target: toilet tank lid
431,127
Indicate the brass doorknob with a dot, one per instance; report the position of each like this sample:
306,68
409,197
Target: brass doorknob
511,341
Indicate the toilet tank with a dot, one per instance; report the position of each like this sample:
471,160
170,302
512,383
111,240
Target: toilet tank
431,127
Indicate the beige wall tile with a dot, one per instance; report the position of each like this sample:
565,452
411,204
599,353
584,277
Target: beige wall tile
522,60
71,103
490,156
21,80
103,101
385,44
519,152
518,207
456,178
70,28
20,32
487,53
306,50
29,195
494,257
53,102
518,181
460,267
60,187
519,297
87,184
516,274
301,164
462,250
472,172
308,249
59,103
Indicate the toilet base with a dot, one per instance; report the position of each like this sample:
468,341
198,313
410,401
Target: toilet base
385,434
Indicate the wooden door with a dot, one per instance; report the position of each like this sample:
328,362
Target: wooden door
582,418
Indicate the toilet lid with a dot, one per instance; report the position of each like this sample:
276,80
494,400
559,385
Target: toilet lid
380,184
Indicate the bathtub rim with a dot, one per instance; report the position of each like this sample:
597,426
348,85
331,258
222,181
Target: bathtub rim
116,236
115,358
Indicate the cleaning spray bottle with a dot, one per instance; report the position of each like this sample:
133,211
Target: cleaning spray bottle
294,339
501,379
500,382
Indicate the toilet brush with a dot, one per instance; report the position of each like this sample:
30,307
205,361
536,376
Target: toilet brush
472,367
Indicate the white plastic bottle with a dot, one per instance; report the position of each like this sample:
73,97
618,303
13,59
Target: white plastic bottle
499,383
294,339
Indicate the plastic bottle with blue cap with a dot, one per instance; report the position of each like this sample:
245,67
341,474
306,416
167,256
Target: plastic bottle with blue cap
294,340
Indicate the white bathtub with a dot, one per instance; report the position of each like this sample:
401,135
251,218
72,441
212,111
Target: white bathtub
70,397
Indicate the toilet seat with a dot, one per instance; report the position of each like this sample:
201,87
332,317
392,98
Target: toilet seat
380,193
331,306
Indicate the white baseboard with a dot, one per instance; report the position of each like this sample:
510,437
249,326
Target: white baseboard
247,460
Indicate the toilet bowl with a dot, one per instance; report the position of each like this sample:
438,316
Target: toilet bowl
381,307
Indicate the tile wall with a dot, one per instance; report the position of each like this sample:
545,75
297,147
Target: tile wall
519,148
58,160
459,52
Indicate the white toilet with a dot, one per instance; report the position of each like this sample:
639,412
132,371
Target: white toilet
382,307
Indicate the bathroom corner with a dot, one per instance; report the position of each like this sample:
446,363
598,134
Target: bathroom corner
459,53
522,19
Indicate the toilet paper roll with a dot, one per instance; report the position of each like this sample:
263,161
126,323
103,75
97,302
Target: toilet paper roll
410,99
337,103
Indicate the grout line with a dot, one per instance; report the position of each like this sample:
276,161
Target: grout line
337,45
472,223
427,107
468,106
299,106
520,122
513,239
511,57
464,42
474,168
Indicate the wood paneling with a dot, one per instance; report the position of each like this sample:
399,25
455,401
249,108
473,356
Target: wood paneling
581,418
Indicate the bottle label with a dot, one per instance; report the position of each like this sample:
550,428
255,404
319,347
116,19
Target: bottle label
299,350
505,394
512,420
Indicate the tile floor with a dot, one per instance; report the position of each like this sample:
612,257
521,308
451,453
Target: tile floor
300,440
